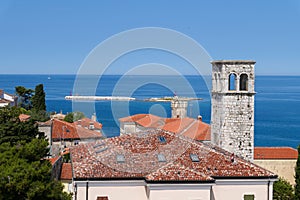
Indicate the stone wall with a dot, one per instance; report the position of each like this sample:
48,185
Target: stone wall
233,110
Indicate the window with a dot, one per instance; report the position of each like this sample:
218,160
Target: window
161,157
120,158
102,198
98,145
194,157
162,139
101,150
249,197
244,82
232,82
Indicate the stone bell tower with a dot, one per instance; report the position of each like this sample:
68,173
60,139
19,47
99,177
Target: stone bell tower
232,125
179,107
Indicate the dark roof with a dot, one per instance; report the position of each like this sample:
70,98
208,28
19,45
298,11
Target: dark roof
98,160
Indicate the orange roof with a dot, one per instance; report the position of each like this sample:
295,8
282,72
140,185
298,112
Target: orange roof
189,127
53,160
143,155
24,117
46,123
275,153
66,130
86,122
66,171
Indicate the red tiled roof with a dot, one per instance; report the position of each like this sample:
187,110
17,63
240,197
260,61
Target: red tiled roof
24,117
145,120
4,101
46,123
66,130
66,171
53,160
189,127
86,122
139,159
275,153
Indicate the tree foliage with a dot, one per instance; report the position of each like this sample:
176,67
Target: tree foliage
38,100
283,190
25,175
297,176
12,130
73,116
33,101
24,97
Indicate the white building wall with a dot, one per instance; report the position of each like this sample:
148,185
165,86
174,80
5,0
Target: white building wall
140,190
179,192
114,190
8,97
236,189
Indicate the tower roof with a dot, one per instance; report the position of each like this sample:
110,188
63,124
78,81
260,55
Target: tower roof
233,62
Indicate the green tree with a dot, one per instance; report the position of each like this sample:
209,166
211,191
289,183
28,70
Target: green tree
25,175
74,116
38,111
283,190
38,100
24,97
297,176
13,130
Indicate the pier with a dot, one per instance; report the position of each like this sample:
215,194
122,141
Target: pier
99,98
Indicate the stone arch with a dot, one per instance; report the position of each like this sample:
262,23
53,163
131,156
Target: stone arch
244,82
232,80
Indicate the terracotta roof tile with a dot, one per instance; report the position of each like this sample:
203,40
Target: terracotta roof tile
66,171
140,151
24,117
4,101
275,153
65,130
189,127
53,160
86,122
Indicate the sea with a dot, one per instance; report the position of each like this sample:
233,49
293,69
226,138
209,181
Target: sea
277,101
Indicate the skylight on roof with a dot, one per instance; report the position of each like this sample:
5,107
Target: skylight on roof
194,157
120,158
98,145
162,139
161,158
101,150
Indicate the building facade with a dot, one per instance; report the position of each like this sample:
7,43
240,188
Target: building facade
159,165
232,121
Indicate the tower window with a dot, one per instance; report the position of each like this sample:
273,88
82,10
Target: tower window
232,82
244,82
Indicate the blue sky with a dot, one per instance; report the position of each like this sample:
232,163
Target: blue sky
54,37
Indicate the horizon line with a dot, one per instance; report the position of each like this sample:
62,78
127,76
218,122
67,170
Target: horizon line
73,74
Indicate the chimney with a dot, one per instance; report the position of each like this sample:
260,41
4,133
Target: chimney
94,117
91,126
79,122
199,118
